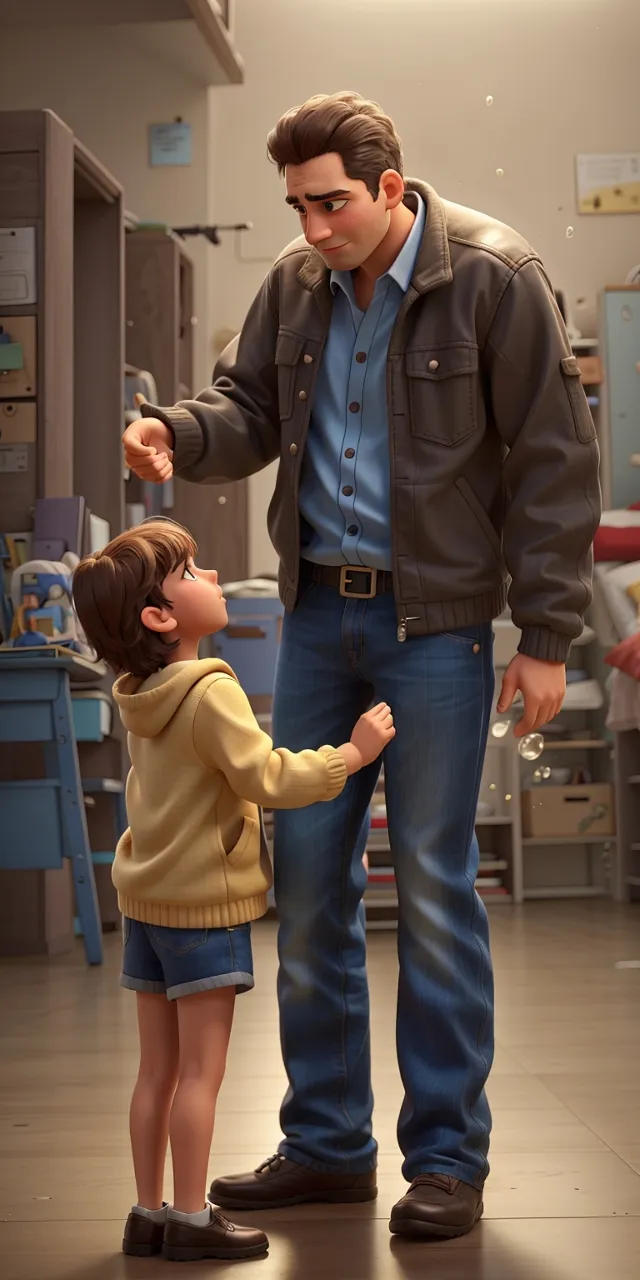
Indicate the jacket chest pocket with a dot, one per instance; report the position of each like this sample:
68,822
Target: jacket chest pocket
443,390
288,351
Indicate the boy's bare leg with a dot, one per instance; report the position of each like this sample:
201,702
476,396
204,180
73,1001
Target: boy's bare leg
153,1095
204,1027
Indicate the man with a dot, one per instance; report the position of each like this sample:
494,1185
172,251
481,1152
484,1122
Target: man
407,364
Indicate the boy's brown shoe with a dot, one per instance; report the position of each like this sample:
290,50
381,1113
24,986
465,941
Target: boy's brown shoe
142,1237
220,1239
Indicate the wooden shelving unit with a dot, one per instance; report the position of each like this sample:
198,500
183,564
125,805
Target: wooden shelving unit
627,768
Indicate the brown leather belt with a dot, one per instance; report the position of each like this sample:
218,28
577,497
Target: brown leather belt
352,581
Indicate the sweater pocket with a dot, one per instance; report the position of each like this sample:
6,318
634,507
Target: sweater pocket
249,829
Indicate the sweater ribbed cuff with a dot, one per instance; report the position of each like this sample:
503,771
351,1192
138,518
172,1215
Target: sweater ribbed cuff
337,770
548,646
188,441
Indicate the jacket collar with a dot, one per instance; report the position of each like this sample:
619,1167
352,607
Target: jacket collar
433,264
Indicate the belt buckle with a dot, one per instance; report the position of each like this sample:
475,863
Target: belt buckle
345,582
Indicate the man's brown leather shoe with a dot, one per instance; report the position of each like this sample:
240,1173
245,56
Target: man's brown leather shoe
221,1239
279,1182
142,1237
437,1206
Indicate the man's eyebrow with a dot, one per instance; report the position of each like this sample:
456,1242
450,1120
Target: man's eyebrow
328,195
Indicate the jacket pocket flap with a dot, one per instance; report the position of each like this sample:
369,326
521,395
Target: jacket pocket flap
442,362
289,347
570,367
249,829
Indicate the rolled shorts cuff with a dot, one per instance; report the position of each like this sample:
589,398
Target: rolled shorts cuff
241,981
140,984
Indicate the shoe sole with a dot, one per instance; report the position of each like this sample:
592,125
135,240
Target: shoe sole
173,1253
141,1250
417,1229
329,1197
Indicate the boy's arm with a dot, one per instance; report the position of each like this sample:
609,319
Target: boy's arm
231,429
227,737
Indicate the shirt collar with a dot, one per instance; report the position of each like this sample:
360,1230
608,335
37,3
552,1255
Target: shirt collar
402,269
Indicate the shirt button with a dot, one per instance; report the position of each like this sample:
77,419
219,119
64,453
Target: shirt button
347,490
302,395
361,357
476,648
293,449
354,407
308,359
434,364
352,530
349,453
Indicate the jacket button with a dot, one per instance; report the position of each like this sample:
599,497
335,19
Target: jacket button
293,449
308,359
302,395
434,364
476,648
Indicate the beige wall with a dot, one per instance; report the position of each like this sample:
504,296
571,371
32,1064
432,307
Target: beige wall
108,89
564,78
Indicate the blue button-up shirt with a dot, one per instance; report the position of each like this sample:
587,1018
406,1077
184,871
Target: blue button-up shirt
345,489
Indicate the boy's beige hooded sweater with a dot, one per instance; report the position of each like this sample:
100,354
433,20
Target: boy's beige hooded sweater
193,855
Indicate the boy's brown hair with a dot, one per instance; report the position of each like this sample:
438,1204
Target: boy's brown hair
359,131
111,589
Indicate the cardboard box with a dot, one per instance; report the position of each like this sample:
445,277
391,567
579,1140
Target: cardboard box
590,370
568,811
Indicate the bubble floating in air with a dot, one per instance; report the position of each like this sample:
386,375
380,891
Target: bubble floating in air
537,777
508,797
531,746
489,100
569,233
492,786
500,729
499,173
546,773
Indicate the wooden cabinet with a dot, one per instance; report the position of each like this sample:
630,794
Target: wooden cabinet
159,339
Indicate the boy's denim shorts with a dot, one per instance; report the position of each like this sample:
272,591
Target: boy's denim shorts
181,962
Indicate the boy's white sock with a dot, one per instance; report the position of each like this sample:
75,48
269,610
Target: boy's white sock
200,1219
156,1215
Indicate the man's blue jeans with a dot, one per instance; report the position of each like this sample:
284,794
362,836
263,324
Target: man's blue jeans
337,656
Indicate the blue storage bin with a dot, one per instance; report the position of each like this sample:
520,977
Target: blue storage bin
249,642
92,715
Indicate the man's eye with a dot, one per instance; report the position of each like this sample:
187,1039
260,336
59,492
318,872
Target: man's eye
334,206
189,574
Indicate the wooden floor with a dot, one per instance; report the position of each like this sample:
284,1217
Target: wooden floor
563,1200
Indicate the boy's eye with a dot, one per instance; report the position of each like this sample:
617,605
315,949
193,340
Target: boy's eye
334,206
189,574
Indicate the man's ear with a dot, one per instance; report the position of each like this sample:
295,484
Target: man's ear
159,620
392,187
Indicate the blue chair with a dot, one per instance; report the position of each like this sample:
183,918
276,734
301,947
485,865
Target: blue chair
43,819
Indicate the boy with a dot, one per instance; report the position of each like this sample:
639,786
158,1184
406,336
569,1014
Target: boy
191,871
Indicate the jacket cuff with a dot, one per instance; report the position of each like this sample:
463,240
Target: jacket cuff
337,770
548,646
188,440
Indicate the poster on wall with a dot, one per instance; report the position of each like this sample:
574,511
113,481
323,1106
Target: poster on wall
170,144
609,183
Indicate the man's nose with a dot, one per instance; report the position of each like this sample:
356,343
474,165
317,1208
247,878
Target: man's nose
317,230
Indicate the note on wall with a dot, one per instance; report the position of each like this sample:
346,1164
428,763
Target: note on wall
609,183
170,144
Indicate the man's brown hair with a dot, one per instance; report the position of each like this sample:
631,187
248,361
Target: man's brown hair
359,131
111,589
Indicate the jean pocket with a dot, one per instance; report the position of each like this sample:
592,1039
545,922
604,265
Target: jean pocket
466,636
178,941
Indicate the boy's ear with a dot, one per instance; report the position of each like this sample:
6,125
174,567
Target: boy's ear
159,620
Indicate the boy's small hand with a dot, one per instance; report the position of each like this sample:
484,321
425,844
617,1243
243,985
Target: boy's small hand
372,732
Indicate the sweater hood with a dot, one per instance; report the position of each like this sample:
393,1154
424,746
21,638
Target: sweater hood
147,706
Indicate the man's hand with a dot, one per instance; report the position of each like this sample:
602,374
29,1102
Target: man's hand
543,686
147,450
